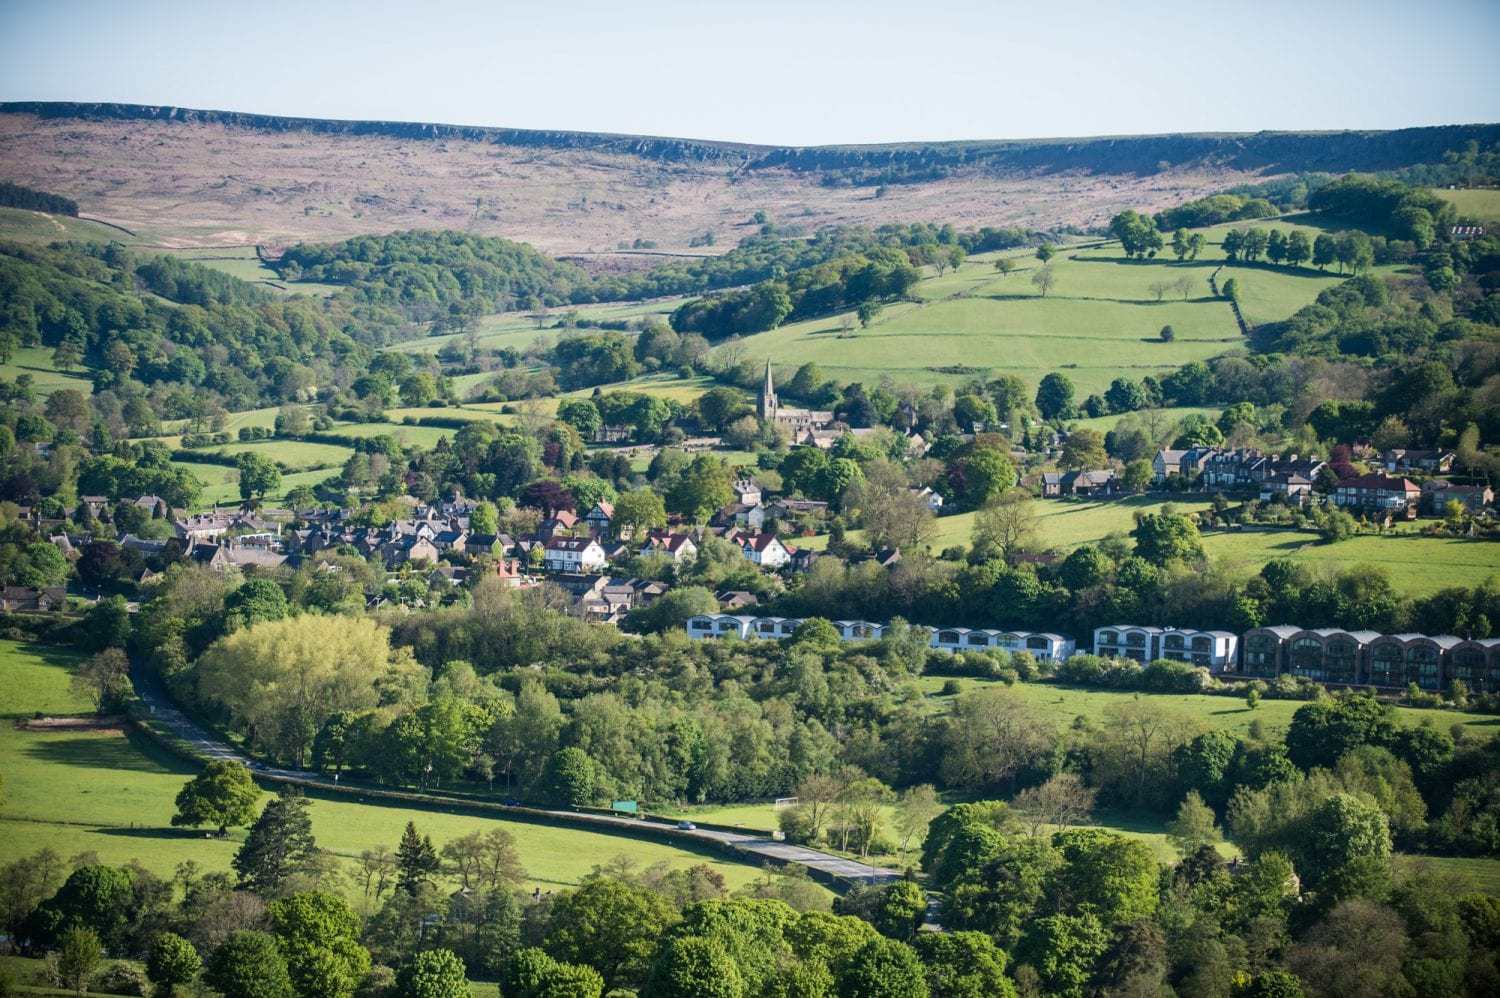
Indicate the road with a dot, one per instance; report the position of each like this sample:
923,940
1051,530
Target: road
753,846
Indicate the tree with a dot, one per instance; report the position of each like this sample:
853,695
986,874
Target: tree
79,954
1045,252
67,355
1159,289
1105,873
104,680
249,965
883,968
1044,279
484,518
1138,476
964,965
570,777
985,474
1161,538
280,844
1167,334
1343,848
1054,396
1084,449
1137,234
1062,800
1004,266
1324,251
1063,950
292,421
1355,952
989,737
282,679
485,861
867,312
1180,244
94,897
695,967
1008,523
223,794
433,973
915,809
1194,825
172,963
318,934
612,926
416,860
1298,249
893,514
639,511
258,475
531,973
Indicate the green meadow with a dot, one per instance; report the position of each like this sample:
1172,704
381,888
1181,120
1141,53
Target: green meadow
1482,206
1418,566
45,377
112,794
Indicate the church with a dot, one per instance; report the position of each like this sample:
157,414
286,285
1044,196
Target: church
798,421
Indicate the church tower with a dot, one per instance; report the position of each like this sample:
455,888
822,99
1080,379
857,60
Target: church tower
766,408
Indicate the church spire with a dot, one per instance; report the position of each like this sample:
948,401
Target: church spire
767,407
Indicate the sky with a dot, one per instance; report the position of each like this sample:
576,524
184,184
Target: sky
774,72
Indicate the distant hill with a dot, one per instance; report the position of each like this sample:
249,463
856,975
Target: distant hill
184,177
1281,152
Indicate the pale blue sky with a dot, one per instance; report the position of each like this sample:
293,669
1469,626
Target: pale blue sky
777,72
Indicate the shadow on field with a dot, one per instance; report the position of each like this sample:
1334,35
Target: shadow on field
96,752
161,833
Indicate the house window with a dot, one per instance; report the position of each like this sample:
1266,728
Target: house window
1341,662
1174,642
1109,638
1038,643
1135,639
1260,654
979,640
948,637
1307,658
1424,666
1203,644
1387,664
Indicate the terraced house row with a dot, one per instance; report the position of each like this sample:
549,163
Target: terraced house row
1369,658
1044,646
1325,655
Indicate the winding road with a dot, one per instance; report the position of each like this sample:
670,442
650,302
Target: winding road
751,847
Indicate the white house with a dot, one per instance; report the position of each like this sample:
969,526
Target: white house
573,554
765,550
932,499
679,547
1214,650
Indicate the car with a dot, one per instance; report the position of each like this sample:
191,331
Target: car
686,826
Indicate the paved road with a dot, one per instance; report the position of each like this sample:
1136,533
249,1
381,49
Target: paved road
207,746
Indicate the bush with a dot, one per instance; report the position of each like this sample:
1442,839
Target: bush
122,979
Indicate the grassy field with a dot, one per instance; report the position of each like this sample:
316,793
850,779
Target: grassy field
298,455
45,377
112,794
1061,524
1481,205
25,226
1059,705
1168,417
1100,321
221,484
1417,565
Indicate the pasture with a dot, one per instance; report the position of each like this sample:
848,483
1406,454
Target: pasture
112,794
1100,321
221,484
1417,565
45,377
1060,524
1482,206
